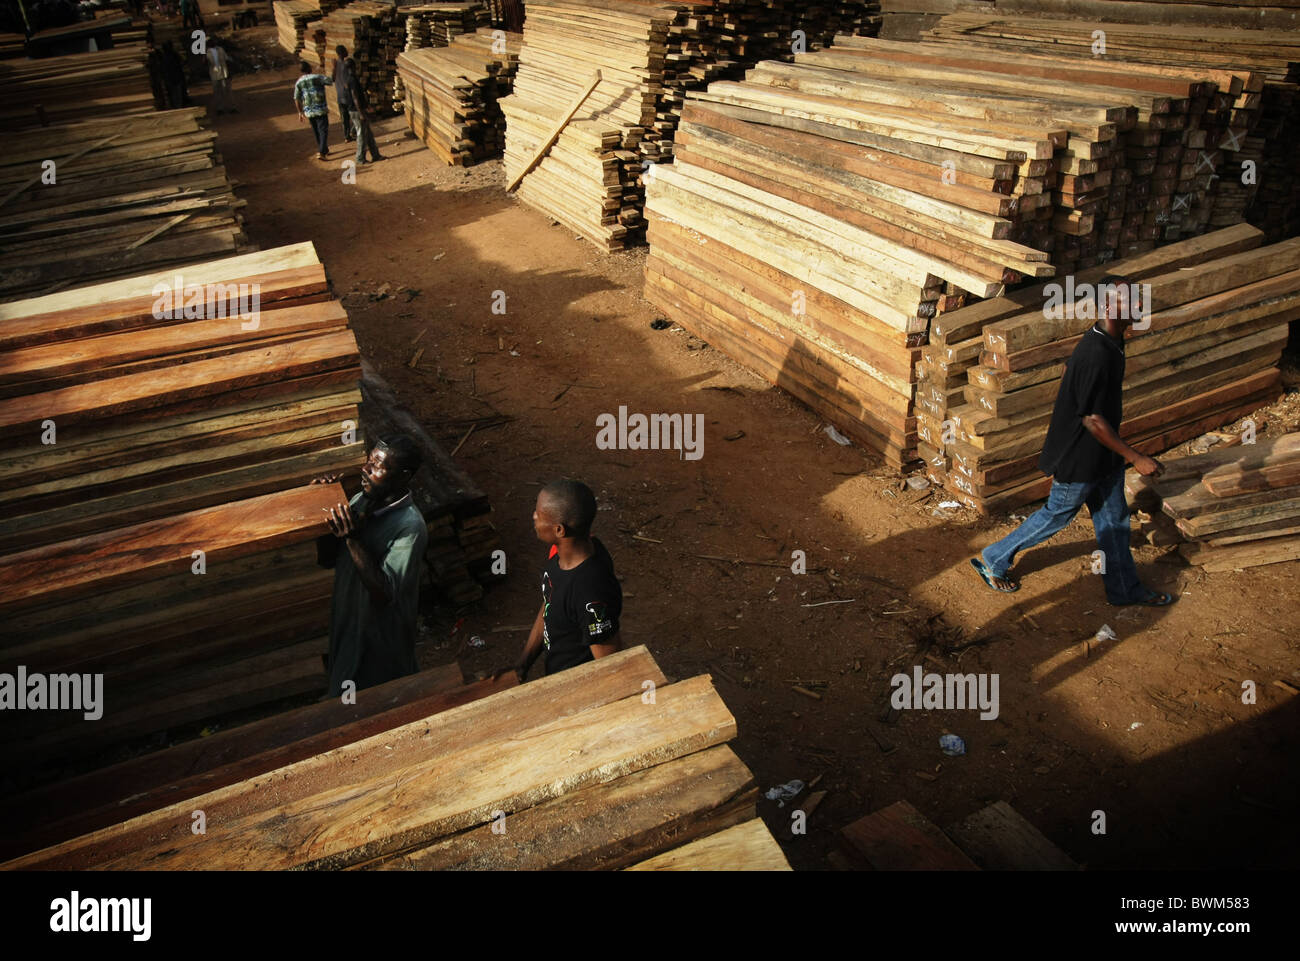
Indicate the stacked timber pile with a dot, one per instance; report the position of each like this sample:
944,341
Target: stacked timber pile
713,39
1218,310
1257,121
293,19
813,238
12,45
373,33
598,65
437,24
54,89
649,55
50,813
161,432
452,93
1228,509
585,770
128,193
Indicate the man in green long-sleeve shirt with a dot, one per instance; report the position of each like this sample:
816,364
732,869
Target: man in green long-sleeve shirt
376,549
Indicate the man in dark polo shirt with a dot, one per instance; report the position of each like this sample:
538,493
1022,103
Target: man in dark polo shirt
376,548
582,600
1086,459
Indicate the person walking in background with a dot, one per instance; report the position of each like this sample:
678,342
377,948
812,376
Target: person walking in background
343,90
173,74
309,98
219,74
361,117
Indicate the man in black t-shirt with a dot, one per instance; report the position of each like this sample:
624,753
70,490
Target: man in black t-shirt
582,600
1086,458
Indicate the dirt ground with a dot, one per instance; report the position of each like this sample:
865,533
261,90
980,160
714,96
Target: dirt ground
1149,728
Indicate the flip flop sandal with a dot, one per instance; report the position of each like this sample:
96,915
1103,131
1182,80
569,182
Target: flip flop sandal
1153,599
987,576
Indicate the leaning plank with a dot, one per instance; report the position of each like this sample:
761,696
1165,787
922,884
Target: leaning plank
746,847
606,826
390,757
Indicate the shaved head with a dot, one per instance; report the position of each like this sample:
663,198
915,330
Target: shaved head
572,504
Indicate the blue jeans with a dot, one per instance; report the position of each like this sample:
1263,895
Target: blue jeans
1105,499
320,126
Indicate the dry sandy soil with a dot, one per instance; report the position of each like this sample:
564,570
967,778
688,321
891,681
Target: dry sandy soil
1149,728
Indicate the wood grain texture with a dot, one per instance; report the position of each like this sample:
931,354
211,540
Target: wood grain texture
745,847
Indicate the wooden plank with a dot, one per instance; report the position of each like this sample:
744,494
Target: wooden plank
486,728
901,838
745,847
998,838
605,826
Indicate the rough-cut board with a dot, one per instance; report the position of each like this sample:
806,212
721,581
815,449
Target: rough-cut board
998,839
112,795
258,822
745,847
901,838
605,826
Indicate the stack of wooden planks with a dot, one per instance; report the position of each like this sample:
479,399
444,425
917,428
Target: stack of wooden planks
1228,509
52,812
1218,311
437,24
148,419
293,20
82,85
373,34
1254,121
596,64
814,237
98,198
452,93
647,54
606,765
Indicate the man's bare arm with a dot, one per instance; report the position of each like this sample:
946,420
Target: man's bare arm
1100,428
614,645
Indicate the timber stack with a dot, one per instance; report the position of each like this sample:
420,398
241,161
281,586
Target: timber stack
128,193
648,54
586,773
1228,509
373,33
76,86
293,20
1204,353
452,93
1252,122
438,24
162,432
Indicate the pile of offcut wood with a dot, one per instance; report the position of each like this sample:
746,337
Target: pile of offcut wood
1255,122
82,85
585,769
452,94
123,194
437,24
1218,310
1228,509
148,419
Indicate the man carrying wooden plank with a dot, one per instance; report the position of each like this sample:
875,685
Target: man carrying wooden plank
373,617
582,600
309,98
1086,458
